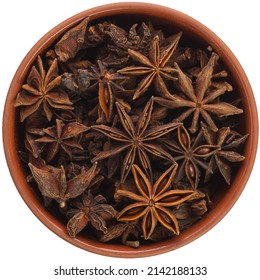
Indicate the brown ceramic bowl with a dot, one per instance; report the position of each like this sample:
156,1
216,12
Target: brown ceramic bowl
201,36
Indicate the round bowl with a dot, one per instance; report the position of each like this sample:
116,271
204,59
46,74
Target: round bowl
195,31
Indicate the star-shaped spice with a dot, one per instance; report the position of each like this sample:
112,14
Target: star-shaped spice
61,136
107,81
191,154
52,182
228,141
137,39
42,92
135,139
154,68
218,74
153,201
89,209
200,99
129,233
72,41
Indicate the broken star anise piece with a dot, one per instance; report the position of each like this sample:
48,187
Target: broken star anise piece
200,99
135,139
89,209
153,201
154,69
72,41
228,141
52,182
135,39
42,91
129,233
61,136
31,145
191,155
107,81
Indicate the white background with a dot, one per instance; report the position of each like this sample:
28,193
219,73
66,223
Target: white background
30,251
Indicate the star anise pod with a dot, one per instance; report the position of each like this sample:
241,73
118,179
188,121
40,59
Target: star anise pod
191,155
52,182
154,68
107,81
80,38
61,136
218,73
72,41
31,145
228,141
129,233
91,210
135,39
42,91
136,139
200,100
153,201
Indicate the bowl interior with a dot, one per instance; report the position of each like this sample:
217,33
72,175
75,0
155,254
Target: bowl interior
194,34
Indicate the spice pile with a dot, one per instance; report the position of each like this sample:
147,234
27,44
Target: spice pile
125,130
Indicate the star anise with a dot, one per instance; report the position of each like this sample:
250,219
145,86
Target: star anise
217,74
31,145
61,136
89,209
154,68
135,139
191,155
129,233
80,38
42,92
52,182
134,39
107,81
72,41
153,201
200,100
228,141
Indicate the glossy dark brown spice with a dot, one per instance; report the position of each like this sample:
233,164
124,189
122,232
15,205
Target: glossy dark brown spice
239,180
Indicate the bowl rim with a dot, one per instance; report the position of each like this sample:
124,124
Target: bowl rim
199,228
